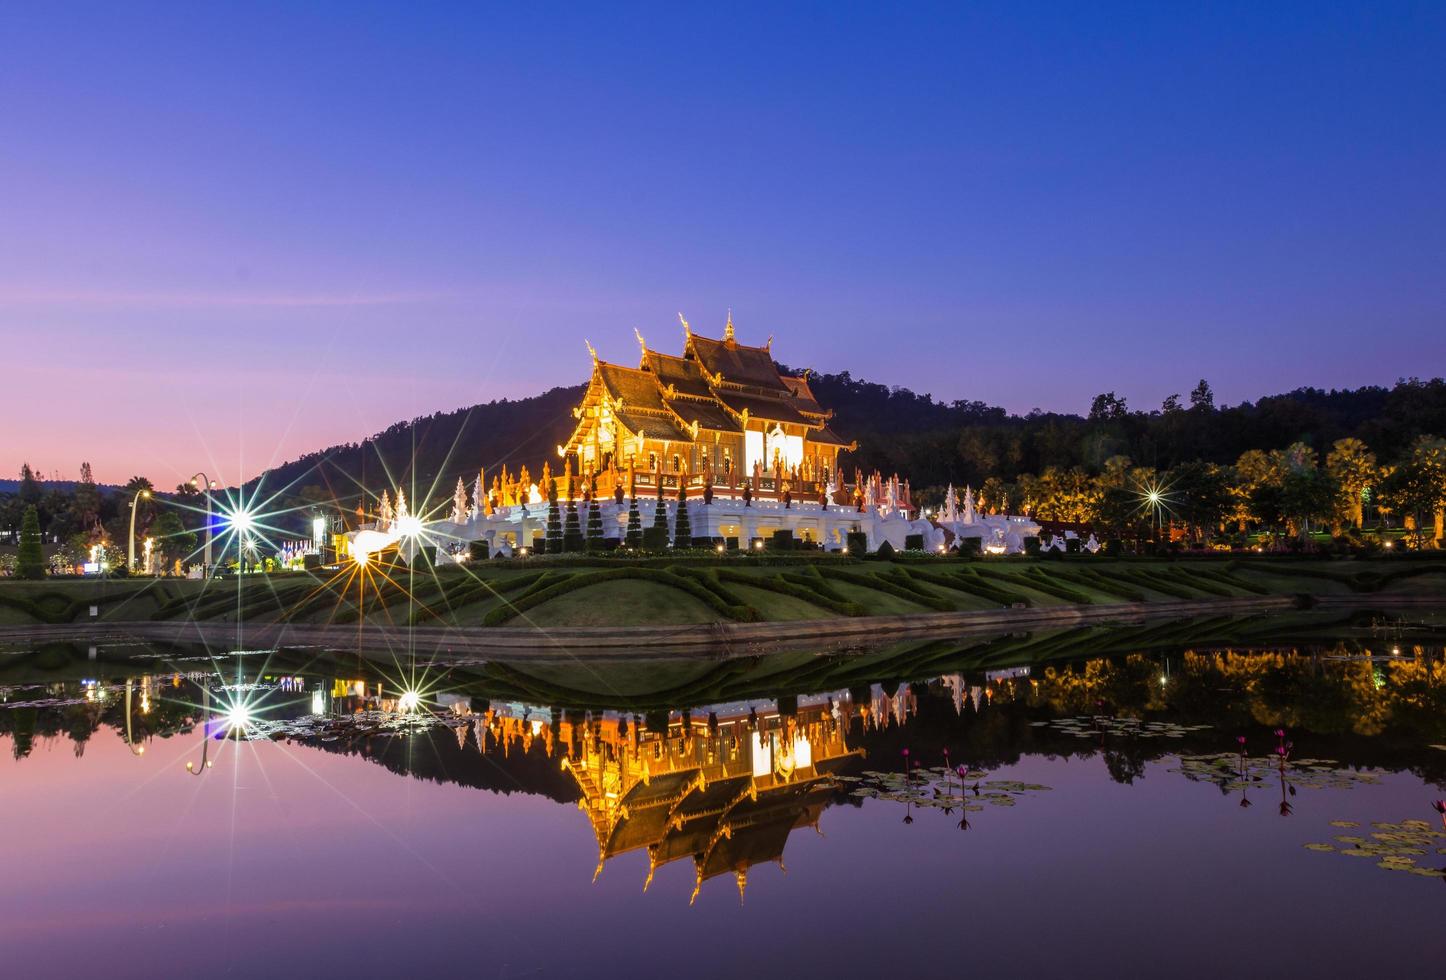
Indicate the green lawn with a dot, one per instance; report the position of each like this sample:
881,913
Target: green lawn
665,591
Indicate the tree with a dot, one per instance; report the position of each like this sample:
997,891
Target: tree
30,489
1354,470
1201,495
554,520
1107,407
1417,487
1253,471
634,537
85,502
1306,495
660,512
1202,398
682,526
571,528
595,515
30,558
173,542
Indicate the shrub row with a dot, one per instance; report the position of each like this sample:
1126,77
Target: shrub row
582,580
910,592
971,583
805,590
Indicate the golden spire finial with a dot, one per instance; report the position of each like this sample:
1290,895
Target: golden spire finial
641,342
769,346
728,327
590,350
742,883
697,885
687,330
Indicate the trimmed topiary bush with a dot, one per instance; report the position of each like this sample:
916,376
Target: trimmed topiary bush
782,540
682,526
1031,546
634,538
886,551
655,538
857,543
913,542
572,529
594,524
970,547
477,550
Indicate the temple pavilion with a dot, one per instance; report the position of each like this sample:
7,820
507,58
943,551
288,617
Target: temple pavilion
721,413
719,428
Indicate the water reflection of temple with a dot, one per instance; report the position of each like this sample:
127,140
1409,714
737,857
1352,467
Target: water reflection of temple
724,790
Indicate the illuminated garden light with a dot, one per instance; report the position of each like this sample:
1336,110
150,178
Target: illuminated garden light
409,701
242,520
238,717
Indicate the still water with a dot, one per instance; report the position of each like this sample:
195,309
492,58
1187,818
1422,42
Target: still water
1069,804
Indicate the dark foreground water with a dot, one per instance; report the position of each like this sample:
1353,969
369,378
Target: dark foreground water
753,817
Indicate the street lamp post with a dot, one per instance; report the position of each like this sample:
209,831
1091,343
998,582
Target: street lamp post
131,538
206,486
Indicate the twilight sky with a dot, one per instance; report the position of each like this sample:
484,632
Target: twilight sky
233,234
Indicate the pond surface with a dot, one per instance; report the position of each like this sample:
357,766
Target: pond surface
186,813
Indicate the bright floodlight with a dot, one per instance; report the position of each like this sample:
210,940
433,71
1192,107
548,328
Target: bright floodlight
409,526
243,520
409,701
238,717
1154,496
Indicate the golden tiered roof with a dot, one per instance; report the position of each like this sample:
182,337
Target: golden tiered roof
717,386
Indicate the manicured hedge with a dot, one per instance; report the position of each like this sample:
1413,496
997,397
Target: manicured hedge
1042,581
583,580
791,586
881,584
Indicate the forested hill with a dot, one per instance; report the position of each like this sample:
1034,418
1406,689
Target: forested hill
436,449
931,442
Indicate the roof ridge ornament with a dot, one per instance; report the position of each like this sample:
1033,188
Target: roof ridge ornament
641,343
687,330
590,350
728,327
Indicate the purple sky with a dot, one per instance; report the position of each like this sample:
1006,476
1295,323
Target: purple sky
231,236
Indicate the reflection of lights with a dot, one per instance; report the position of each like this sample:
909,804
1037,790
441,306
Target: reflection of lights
359,555
409,701
1164,680
318,701
537,726
1153,497
191,766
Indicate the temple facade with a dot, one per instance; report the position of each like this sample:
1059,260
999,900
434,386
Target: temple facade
718,430
720,412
